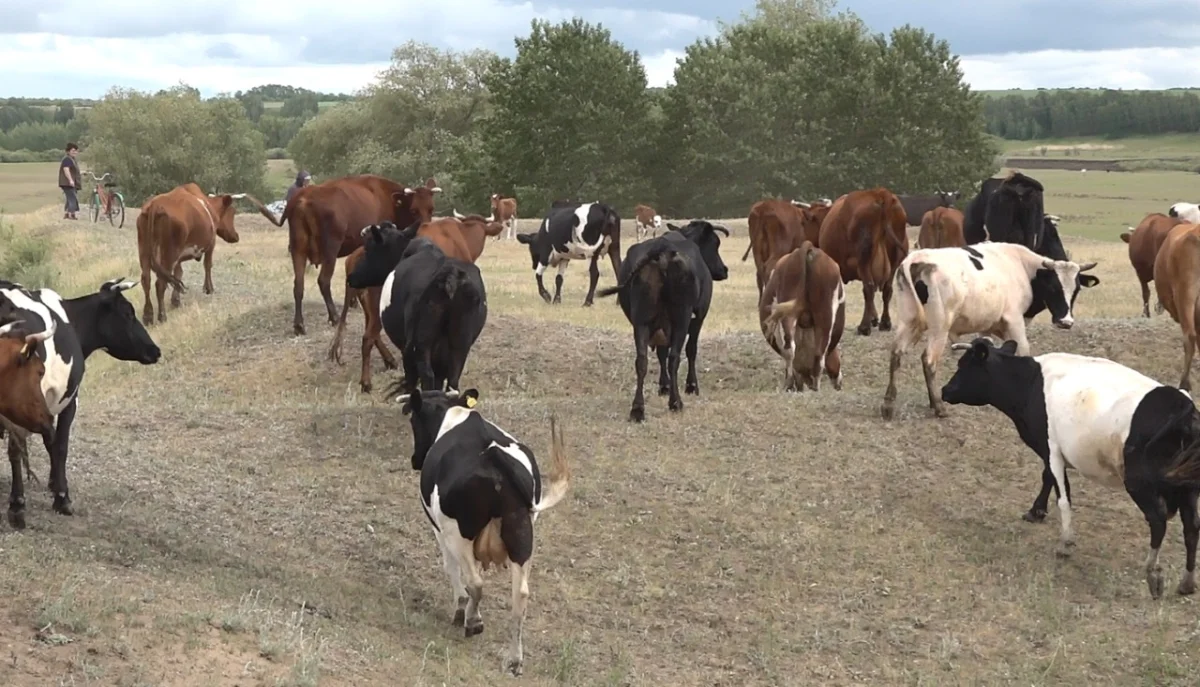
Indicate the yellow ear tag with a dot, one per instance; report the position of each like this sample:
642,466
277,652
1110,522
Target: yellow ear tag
471,401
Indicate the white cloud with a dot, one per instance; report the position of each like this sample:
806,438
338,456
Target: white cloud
1134,68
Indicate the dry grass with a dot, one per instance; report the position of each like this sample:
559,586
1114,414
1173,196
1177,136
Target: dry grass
247,517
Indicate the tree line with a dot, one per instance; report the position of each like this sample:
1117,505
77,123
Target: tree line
790,101
1079,113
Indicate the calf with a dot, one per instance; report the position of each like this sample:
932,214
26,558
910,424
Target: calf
572,231
504,211
1144,243
646,221
802,312
1177,282
985,288
1188,212
1113,424
916,206
21,374
665,289
776,228
941,228
99,321
482,492
431,306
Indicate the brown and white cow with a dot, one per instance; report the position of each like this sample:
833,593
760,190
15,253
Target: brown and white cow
866,233
504,211
777,227
181,224
21,370
1144,243
802,312
941,227
1177,281
646,221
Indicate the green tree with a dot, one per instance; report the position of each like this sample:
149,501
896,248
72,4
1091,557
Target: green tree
254,104
64,113
570,118
301,105
153,143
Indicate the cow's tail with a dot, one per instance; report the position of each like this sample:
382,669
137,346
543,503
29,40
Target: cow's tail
797,306
753,228
1184,469
661,252
939,228
906,287
556,485
277,221
158,223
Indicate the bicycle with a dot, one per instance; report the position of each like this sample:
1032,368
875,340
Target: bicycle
105,194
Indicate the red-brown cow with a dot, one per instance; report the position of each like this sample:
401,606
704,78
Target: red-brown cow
1177,281
646,221
866,233
776,228
461,237
942,227
504,211
802,313
21,370
1144,242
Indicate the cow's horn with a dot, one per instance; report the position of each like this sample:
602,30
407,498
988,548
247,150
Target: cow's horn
407,190
452,393
436,189
124,285
238,196
801,204
403,398
1086,266
960,346
4,330
457,214
44,334
1047,264
1054,218
721,228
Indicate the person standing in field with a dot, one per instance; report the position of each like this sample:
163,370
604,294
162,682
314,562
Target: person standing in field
70,181
302,179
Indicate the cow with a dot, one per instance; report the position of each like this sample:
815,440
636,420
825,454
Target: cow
866,233
98,321
462,238
646,221
948,292
1144,242
1177,282
21,374
574,232
665,288
181,224
915,206
778,227
1188,212
504,211
802,313
482,491
1109,422
941,228
431,306
325,220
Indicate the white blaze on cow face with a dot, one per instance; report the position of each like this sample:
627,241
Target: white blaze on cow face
58,370
657,221
1067,273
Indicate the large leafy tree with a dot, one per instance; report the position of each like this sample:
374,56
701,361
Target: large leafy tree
570,118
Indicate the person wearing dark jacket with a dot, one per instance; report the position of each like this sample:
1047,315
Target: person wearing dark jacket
302,179
70,181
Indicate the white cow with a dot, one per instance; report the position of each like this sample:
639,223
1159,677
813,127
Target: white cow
1188,212
985,288
1111,423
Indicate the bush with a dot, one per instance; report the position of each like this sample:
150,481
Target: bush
277,154
31,155
25,258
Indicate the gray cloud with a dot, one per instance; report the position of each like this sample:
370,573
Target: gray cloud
223,50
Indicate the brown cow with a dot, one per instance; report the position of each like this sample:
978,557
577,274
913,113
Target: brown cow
866,233
21,370
646,221
461,237
1144,243
504,211
325,222
1177,281
942,227
802,313
778,227
181,224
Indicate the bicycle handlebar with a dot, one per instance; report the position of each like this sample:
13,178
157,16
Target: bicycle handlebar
96,178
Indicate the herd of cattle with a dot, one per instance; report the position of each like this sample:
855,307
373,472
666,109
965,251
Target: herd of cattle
985,272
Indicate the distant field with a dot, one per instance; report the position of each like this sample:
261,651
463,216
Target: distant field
1160,147
1030,92
276,104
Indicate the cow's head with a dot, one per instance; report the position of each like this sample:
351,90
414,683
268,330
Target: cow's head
428,409
416,203
224,212
657,223
495,199
1057,284
114,325
22,370
704,234
987,375
383,246
948,198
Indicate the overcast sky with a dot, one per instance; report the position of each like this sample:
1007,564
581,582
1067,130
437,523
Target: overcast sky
65,48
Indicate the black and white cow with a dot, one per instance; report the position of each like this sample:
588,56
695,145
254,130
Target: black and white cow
433,307
985,288
665,289
1109,422
99,321
574,232
482,492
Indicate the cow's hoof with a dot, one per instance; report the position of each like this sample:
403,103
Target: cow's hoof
473,627
863,330
885,326
1187,586
1034,516
298,329
513,666
62,505
176,303
939,411
366,387
546,297
390,365
1154,580
162,317
587,304
460,617
16,518
1064,548
147,320
888,411
874,321
664,390
637,415
692,389
675,406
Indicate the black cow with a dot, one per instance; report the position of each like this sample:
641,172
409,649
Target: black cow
432,306
574,232
915,207
489,494
99,321
665,289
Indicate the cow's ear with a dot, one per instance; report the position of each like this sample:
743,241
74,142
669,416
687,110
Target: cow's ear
672,227
1009,347
1088,280
470,397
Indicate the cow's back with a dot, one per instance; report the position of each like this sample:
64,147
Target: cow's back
179,217
339,209
877,211
775,229
941,227
1147,240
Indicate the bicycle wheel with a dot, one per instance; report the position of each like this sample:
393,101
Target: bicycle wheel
117,209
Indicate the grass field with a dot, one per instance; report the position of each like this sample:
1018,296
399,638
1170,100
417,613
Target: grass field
1030,92
756,538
